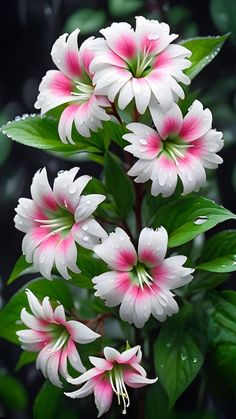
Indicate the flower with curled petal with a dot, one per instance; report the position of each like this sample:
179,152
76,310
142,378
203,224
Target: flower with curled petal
140,282
112,374
143,65
72,86
179,146
55,218
54,337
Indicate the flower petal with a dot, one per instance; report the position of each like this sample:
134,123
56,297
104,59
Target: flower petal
117,251
103,396
81,333
152,246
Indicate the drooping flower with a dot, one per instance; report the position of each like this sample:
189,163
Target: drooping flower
72,86
140,282
112,374
55,218
179,146
141,64
54,337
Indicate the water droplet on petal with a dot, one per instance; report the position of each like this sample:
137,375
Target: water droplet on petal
143,141
72,189
85,238
88,202
85,227
200,220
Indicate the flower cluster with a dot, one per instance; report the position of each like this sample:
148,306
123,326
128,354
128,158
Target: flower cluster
137,70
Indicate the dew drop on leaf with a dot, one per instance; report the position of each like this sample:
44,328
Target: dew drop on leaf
200,220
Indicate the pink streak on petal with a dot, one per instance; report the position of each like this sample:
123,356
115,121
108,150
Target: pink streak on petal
153,143
190,128
170,126
116,59
87,57
159,274
50,202
197,149
167,163
126,47
72,63
126,259
148,257
123,282
60,85
161,60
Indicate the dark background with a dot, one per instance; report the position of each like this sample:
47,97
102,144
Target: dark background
29,28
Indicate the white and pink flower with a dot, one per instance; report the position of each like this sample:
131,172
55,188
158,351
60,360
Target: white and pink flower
57,218
143,65
72,86
112,374
54,337
180,146
140,282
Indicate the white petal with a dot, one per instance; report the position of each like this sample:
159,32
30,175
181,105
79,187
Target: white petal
152,245
81,333
117,251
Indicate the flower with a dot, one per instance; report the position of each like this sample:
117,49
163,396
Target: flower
50,334
54,219
140,64
72,86
140,281
112,374
180,146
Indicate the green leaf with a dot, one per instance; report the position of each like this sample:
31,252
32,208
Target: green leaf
42,133
10,314
223,15
119,185
124,7
219,253
178,356
223,318
204,281
187,217
87,20
25,358
156,403
222,332
90,265
95,186
20,268
80,281
204,50
51,403
12,393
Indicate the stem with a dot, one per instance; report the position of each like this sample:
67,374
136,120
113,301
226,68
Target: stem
115,113
136,115
138,206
